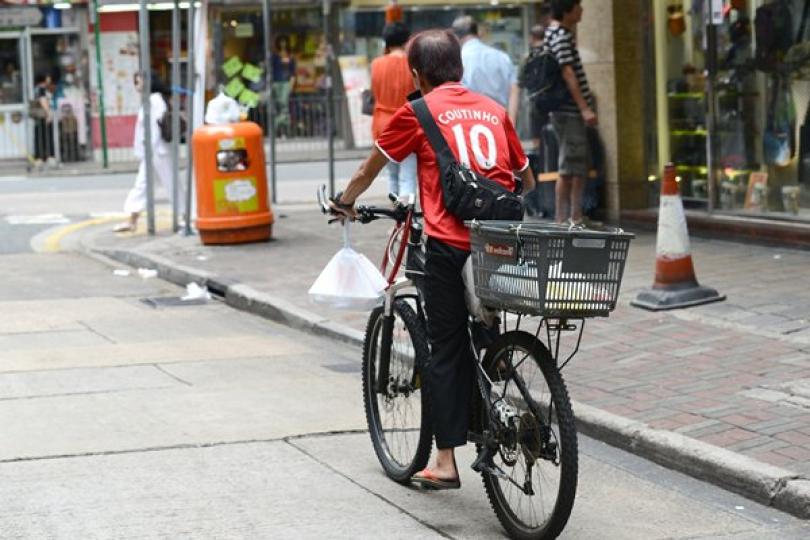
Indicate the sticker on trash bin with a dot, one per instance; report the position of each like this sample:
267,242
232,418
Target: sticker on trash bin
235,143
236,195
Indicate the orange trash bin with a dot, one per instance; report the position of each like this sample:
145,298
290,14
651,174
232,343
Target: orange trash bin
231,181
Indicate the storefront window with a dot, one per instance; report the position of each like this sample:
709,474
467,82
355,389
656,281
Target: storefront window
11,90
499,27
298,72
741,145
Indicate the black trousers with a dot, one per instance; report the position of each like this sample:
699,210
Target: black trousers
450,373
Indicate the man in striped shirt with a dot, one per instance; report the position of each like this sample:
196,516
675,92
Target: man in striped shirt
570,118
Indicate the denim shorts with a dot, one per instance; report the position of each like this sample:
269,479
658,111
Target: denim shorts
573,158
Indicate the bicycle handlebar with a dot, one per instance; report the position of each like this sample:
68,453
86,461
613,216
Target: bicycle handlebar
367,214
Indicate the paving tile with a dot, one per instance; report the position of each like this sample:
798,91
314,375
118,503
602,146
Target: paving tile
798,453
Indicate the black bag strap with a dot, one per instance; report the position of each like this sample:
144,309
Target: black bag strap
443,153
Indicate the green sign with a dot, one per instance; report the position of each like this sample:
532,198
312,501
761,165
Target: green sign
232,66
234,87
252,73
249,98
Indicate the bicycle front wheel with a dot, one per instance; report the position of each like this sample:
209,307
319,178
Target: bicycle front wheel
394,351
537,453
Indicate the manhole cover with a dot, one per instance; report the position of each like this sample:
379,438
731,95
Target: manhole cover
172,301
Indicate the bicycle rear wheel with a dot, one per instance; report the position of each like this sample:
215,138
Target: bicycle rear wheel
540,449
396,407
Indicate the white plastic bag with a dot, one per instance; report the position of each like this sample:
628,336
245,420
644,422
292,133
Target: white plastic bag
350,281
222,110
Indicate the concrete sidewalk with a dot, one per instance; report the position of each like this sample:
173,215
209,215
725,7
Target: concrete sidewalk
721,391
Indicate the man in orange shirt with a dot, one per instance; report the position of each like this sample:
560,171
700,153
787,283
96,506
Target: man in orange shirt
391,82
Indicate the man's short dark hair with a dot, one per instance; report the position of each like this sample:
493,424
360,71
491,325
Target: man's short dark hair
538,32
436,56
395,34
560,7
465,26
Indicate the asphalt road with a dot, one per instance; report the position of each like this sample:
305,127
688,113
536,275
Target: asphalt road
31,206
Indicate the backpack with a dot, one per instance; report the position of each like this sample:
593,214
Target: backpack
773,27
543,81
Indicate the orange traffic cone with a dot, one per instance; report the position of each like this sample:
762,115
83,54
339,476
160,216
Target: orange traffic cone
675,283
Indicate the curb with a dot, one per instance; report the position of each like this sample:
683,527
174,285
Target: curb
766,484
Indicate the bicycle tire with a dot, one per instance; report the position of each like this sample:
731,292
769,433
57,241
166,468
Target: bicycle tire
415,457
566,438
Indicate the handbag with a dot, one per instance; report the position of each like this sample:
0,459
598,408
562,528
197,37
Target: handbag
467,194
367,100
36,110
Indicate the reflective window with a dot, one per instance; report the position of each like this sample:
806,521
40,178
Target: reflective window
10,75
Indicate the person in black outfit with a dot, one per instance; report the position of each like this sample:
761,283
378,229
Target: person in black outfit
43,122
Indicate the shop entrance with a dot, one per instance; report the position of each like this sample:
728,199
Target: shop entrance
26,58
56,54
13,139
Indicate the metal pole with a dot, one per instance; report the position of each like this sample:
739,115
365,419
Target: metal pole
175,105
268,82
711,113
146,95
190,80
329,104
100,85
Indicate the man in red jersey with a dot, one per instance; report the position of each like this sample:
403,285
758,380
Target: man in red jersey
480,134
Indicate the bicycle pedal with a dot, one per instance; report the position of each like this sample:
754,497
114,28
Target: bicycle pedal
483,461
495,471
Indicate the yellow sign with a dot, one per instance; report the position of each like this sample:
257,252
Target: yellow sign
237,143
236,195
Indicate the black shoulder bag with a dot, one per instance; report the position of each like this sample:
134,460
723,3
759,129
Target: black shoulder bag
467,194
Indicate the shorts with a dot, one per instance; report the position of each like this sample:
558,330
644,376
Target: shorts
573,158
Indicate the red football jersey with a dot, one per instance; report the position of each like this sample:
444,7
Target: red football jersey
480,134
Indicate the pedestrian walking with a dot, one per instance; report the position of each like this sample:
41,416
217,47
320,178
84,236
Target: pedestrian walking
478,129
487,70
135,202
570,118
391,82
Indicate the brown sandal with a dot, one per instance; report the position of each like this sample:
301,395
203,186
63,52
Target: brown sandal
427,479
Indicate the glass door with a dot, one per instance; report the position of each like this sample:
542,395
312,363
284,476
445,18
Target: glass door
13,94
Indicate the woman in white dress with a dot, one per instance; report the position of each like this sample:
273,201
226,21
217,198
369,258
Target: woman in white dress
161,155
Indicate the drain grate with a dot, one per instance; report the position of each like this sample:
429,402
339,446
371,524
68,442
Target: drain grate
172,301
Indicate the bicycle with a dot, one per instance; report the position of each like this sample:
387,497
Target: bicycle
561,275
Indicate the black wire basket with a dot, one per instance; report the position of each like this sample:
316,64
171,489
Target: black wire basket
547,270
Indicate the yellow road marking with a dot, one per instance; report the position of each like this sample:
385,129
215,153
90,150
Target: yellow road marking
52,242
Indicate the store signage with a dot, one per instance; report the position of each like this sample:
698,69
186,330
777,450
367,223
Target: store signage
16,16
